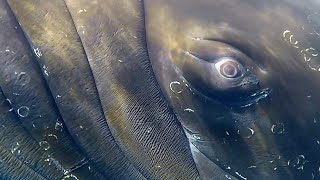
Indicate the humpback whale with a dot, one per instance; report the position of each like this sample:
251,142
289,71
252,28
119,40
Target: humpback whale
159,89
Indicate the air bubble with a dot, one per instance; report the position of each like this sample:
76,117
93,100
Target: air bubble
70,177
15,149
58,126
23,79
247,133
277,128
176,87
314,21
45,145
23,111
149,129
10,103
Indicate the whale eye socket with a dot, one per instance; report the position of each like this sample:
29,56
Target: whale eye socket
229,68
218,72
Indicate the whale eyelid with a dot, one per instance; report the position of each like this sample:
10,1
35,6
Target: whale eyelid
193,55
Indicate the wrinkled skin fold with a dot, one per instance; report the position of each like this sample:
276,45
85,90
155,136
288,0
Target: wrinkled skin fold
159,89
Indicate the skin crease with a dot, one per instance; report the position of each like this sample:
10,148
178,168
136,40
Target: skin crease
98,74
130,89
275,137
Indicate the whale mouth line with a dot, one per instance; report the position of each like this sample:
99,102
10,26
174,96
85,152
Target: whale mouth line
256,97
243,102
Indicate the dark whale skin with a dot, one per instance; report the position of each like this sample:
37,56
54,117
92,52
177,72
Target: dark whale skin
159,89
53,89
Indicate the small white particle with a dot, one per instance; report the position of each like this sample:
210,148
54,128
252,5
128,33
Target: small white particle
45,70
251,167
37,52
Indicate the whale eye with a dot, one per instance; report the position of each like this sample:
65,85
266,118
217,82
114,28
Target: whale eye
229,68
219,72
